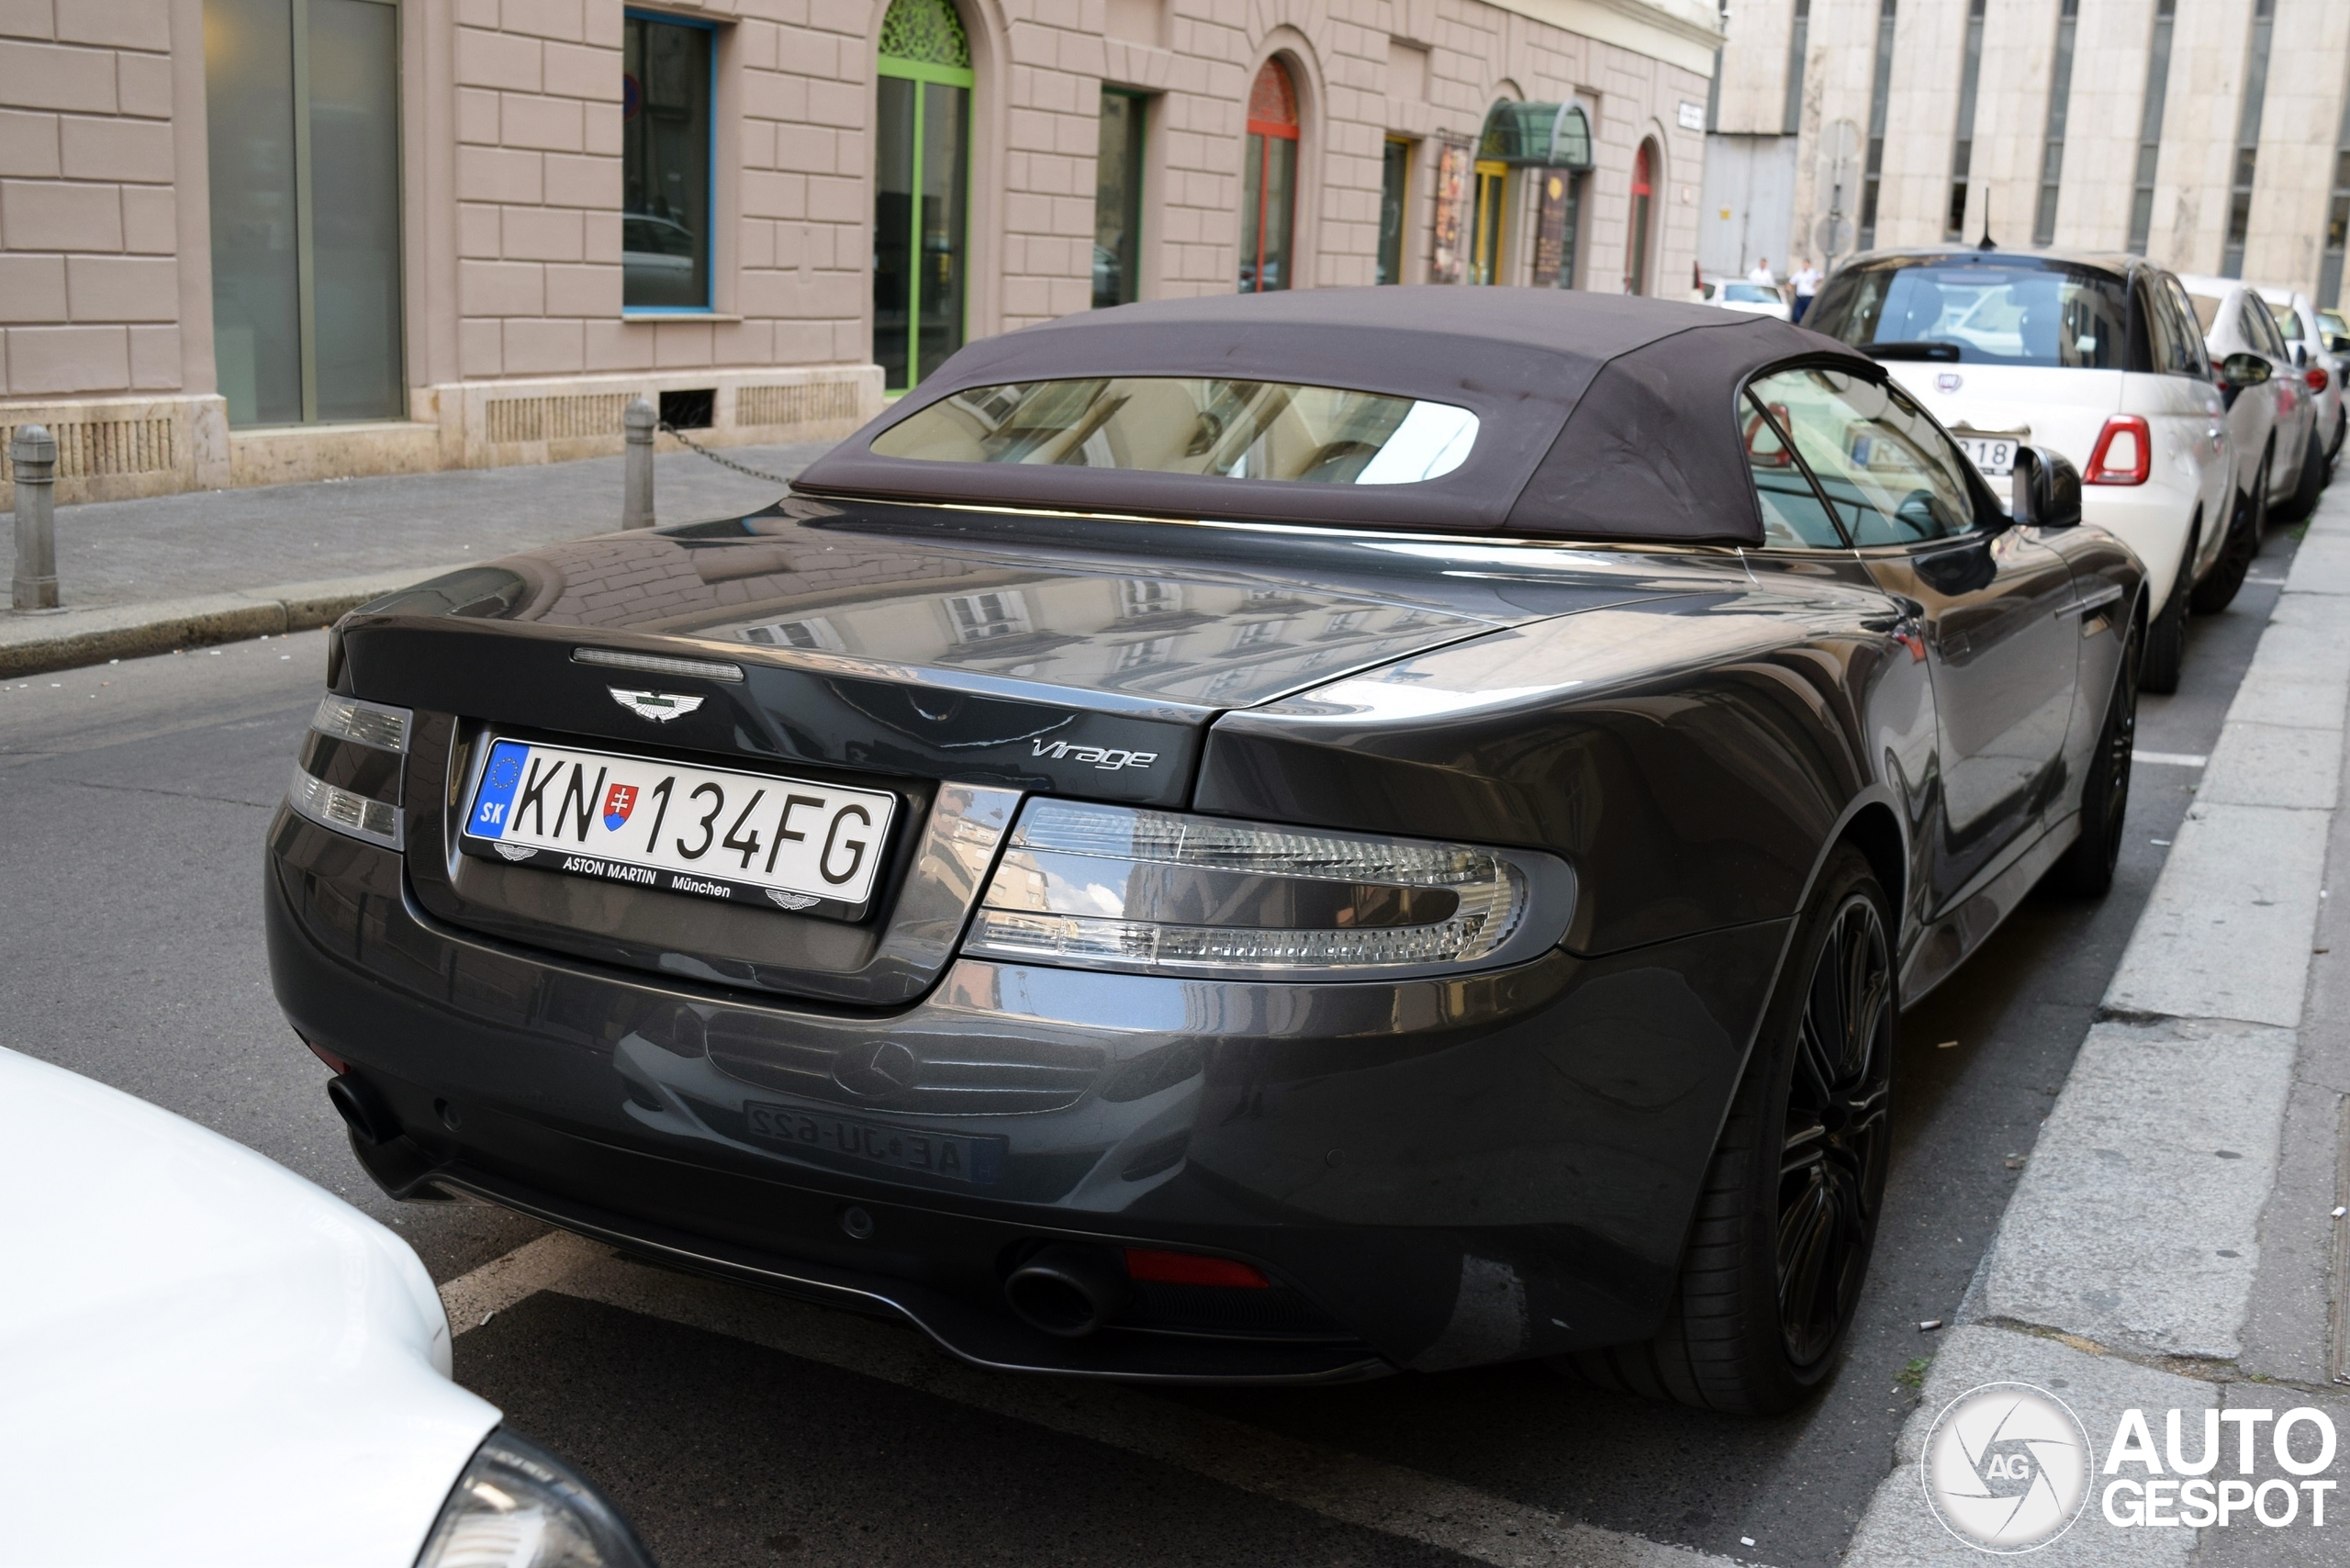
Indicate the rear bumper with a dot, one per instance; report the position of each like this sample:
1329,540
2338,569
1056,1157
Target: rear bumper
1434,1174
2153,519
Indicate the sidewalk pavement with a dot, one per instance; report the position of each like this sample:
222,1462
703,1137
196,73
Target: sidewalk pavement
2179,1241
147,576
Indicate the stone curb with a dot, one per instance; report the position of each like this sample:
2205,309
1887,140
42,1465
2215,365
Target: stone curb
2134,1235
36,644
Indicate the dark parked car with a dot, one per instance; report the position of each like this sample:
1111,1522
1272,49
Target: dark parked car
1276,837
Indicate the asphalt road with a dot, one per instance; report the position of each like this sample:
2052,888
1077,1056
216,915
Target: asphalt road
130,950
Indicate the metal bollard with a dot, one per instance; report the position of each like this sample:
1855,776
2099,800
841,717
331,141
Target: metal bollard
33,454
640,420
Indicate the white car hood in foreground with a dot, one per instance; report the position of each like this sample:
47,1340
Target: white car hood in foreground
205,1358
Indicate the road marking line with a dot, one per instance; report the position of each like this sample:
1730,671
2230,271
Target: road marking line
470,1299
2170,758
1342,1487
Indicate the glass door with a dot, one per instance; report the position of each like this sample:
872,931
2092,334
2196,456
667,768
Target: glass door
303,103
920,190
1485,244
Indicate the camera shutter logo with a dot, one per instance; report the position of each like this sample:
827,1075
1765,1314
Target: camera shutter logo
2005,1467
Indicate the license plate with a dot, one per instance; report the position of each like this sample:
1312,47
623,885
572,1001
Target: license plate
978,1161
1995,455
749,838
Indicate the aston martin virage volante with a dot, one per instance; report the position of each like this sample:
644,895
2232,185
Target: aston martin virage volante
1278,838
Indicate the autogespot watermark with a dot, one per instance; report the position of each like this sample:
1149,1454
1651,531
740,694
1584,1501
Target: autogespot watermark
2008,1468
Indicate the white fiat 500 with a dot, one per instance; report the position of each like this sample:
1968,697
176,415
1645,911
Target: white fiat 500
2098,358
206,1360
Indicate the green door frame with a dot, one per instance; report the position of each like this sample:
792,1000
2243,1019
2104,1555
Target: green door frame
922,71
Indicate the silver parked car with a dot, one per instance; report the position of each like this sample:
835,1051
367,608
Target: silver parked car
2321,361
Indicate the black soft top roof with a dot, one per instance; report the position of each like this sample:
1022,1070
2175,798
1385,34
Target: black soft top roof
1601,416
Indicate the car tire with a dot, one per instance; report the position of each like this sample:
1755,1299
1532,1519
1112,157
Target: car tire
1786,1221
2218,588
2163,659
2086,869
2307,488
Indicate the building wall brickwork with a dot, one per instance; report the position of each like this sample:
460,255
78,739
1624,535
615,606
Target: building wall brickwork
2309,74
512,179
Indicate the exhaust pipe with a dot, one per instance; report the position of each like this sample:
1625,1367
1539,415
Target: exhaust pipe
362,1110
1069,1290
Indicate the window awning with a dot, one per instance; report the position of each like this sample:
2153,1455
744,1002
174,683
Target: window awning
1555,136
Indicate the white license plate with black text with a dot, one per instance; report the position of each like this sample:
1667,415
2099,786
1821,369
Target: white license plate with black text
710,832
1993,456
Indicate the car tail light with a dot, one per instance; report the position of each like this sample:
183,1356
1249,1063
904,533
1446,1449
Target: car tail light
1110,887
2124,453
2317,378
349,775
1149,1264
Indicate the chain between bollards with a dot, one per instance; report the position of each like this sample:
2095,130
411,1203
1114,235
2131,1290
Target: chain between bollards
32,454
638,420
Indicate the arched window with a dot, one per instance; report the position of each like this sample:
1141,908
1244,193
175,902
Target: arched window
1636,243
1269,193
921,189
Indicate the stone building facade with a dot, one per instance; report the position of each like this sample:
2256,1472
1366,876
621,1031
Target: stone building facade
2210,135
252,241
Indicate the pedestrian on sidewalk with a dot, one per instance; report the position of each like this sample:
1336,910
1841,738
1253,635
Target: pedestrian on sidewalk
1805,283
1761,273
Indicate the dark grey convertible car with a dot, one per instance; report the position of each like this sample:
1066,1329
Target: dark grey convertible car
1270,838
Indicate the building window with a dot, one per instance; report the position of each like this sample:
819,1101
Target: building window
666,88
1637,242
1394,195
2255,89
1269,193
988,617
921,189
1880,90
1142,598
304,151
2150,126
1117,199
1485,237
1798,45
2060,103
2337,218
1961,152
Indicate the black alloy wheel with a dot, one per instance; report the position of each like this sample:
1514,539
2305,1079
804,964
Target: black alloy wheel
2309,484
1832,1156
2162,659
2086,869
1778,1247
2218,588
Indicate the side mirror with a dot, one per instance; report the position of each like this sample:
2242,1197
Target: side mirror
2239,370
2047,489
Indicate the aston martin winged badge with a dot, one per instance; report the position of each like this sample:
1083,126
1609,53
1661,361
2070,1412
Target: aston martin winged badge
659,706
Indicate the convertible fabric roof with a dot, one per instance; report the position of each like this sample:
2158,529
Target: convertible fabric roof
1602,417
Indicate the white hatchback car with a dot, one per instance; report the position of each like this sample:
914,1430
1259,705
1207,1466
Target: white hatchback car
2272,416
205,1360
1747,296
2097,358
